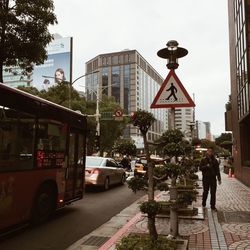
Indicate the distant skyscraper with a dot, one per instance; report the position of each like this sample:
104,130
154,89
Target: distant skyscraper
201,130
208,131
183,119
128,77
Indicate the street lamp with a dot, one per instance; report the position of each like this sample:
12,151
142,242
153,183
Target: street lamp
172,52
97,113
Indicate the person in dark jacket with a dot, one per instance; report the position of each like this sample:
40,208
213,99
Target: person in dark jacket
209,167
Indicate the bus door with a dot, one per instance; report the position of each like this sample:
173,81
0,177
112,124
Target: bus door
74,178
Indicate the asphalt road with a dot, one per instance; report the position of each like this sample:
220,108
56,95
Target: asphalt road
73,222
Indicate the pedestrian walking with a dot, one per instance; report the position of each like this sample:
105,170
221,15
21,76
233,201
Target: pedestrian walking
209,167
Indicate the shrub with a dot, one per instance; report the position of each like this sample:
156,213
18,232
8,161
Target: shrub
138,242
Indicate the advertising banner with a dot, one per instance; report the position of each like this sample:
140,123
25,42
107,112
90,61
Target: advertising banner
57,67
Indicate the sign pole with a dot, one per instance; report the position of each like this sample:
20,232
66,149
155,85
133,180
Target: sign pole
172,94
172,118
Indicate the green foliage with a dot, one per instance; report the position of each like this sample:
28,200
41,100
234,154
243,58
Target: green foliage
143,120
224,137
172,143
30,90
24,32
174,149
152,208
162,186
60,94
110,130
196,142
137,184
159,171
207,144
174,170
187,197
125,147
139,242
172,136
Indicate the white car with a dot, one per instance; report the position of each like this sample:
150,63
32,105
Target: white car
103,172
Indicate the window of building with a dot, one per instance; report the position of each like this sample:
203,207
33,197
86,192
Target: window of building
105,72
116,83
241,59
126,80
245,146
114,59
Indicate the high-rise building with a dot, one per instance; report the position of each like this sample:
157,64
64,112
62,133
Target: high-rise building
128,77
183,120
208,131
201,130
238,108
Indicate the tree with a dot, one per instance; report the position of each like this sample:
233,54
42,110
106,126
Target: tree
30,90
143,120
24,32
224,140
125,147
110,130
60,94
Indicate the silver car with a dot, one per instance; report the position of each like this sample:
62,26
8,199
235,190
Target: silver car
103,172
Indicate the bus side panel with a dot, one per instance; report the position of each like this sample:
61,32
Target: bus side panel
18,190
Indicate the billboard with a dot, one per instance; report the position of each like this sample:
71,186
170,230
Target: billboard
58,65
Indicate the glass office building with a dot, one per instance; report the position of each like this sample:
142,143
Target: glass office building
132,81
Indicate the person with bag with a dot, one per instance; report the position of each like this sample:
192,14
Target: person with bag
209,167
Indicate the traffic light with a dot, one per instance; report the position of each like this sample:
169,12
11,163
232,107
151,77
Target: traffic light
97,142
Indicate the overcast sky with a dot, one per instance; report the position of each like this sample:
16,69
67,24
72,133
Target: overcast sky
201,26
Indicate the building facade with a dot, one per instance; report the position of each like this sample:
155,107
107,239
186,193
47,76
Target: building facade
238,110
203,130
184,117
132,81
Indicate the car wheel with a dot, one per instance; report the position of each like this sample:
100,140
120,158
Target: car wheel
123,180
106,184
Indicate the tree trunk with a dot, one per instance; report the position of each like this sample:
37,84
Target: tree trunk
150,170
151,219
173,210
152,228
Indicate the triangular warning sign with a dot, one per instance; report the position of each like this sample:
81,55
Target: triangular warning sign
172,94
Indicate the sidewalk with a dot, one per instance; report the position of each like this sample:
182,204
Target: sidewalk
228,228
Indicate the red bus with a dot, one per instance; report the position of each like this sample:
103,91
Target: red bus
42,157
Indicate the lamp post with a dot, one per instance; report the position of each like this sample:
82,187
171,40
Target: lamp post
172,52
97,113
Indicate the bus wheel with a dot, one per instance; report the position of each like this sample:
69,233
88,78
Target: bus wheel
106,184
45,203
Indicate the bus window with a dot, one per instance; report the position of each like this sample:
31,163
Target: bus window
51,144
16,140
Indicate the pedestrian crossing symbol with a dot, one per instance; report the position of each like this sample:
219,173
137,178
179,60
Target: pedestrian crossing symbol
172,94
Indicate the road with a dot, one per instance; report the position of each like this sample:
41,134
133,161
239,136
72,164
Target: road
73,222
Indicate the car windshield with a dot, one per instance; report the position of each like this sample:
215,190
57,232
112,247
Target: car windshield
91,161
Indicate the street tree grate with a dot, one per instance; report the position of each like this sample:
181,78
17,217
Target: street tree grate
95,241
234,217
